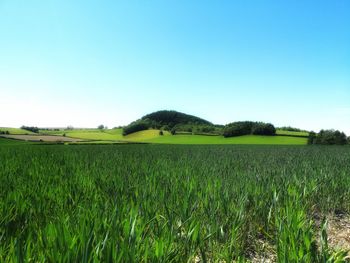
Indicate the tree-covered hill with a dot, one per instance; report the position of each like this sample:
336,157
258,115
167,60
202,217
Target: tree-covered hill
168,120
172,118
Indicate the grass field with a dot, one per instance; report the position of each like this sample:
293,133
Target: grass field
90,134
146,135
152,136
41,138
15,130
171,203
4,141
292,133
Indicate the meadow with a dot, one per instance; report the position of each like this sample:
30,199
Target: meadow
15,131
152,136
171,203
106,136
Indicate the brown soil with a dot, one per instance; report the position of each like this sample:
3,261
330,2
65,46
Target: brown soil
338,231
43,138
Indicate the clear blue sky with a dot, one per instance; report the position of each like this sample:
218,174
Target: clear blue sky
83,63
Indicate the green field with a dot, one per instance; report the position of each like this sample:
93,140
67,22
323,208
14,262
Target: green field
146,135
292,133
90,134
152,136
4,141
15,130
171,203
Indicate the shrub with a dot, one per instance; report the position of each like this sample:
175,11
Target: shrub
312,138
165,128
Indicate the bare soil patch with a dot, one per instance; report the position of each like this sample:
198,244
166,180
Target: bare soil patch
42,138
338,231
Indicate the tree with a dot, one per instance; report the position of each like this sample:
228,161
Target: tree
248,127
312,138
238,128
30,128
263,129
101,127
330,137
161,133
136,126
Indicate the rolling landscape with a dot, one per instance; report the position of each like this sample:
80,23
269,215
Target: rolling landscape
168,130
175,131
249,193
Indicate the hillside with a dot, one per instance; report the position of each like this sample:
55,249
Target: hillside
152,136
170,121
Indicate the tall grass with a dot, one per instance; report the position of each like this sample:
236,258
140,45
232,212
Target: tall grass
156,203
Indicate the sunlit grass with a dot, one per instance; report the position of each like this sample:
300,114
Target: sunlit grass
169,203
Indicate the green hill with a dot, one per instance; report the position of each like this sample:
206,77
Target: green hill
169,120
172,118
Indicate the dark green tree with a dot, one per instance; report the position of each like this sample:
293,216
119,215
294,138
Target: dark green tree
312,138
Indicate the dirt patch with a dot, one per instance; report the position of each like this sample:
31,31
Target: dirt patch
41,138
338,231
265,253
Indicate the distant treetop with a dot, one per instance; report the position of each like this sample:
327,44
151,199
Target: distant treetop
30,128
172,118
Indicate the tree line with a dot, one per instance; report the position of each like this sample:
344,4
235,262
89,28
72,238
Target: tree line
248,127
30,128
328,137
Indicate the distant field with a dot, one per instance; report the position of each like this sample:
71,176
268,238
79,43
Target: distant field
152,136
146,135
16,130
44,138
91,134
292,133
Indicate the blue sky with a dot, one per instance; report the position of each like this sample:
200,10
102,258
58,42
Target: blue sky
84,63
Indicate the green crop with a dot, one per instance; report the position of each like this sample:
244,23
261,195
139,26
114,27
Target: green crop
170,203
